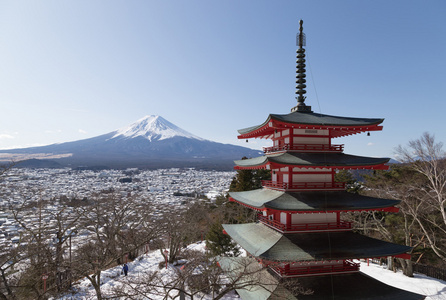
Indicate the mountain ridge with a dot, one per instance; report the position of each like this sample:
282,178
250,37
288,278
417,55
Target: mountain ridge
150,142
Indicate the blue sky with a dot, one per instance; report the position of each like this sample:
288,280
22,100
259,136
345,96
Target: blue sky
71,70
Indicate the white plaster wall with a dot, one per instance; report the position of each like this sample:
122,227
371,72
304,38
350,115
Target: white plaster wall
310,140
283,218
313,218
285,178
311,177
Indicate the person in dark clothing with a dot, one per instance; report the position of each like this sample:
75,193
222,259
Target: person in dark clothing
125,269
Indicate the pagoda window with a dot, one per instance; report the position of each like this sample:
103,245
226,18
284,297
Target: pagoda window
321,132
285,132
287,140
277,134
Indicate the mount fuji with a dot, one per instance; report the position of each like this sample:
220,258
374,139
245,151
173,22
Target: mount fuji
151,142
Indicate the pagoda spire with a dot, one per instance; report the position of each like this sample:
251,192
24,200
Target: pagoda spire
300,72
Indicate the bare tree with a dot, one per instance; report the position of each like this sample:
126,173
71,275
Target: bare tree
426,157
9,282
34,251
399,183
177,232
117,227
202,276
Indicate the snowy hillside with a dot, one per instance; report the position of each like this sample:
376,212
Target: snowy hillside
434,289
139,268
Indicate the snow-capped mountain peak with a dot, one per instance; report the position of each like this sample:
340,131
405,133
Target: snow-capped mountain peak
153,128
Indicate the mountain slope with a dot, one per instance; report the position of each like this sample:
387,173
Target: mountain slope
151,142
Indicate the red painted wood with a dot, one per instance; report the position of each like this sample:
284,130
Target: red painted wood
305,148
341,225
291,271
303,185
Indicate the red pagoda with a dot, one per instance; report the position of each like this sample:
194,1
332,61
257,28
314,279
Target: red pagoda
300,232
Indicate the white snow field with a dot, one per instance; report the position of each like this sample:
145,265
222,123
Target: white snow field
434,289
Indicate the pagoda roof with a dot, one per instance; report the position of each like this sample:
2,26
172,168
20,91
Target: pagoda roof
314,201
311,160
352,286
268,244
341,126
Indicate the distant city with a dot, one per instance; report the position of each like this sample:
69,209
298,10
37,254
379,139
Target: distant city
163,189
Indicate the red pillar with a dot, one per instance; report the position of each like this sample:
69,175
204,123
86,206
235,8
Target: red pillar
44,277
288,221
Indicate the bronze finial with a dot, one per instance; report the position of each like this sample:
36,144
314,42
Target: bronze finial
300,72
301,37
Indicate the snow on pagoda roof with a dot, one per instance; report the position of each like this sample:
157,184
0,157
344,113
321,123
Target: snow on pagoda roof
310,201
311,119
336,160
268,244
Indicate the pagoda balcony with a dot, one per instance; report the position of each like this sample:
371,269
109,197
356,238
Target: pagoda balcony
295,271
304,148
291,228
312,186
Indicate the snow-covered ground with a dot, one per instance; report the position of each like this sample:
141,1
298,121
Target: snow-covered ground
434,289
112,278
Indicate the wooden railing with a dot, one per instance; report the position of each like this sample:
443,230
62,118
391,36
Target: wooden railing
346,267
304,185
305,148
342,225
272,223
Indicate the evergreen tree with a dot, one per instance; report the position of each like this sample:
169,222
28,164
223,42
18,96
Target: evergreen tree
219,243
353,186
247,180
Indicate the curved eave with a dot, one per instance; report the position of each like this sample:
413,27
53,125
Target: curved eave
311,202
312,160
266,243
338,126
